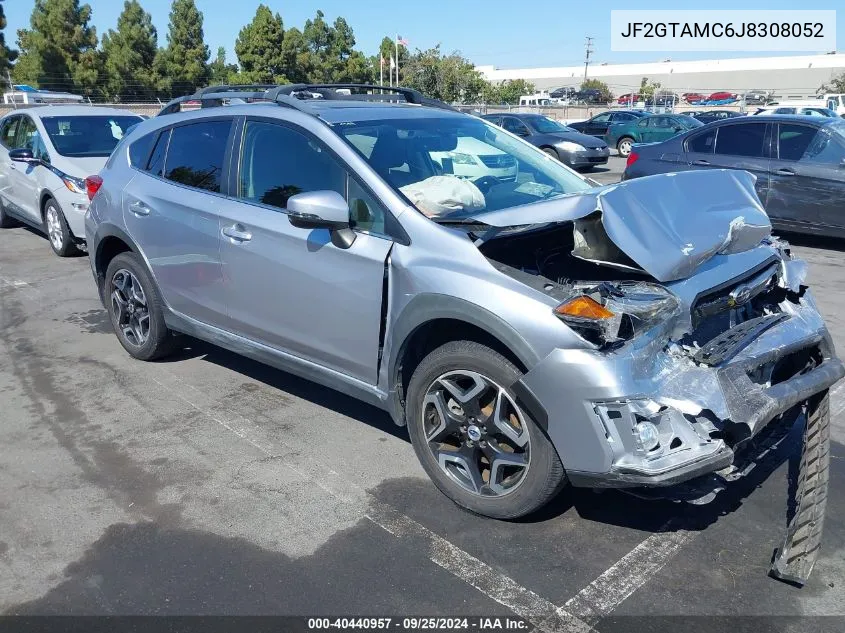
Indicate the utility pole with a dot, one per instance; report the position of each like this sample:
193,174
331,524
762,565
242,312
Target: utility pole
588,50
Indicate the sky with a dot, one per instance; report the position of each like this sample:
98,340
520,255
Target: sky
503,33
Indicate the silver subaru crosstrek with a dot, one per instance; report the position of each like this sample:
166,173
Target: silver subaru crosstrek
530,330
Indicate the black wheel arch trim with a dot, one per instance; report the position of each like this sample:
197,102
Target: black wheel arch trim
103,232
426,308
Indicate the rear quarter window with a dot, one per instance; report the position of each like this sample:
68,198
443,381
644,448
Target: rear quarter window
139,151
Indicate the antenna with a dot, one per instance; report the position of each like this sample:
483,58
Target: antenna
588,50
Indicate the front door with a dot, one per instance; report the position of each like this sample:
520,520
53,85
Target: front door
8,130
171,210
292,288
597,126
23,177
807,178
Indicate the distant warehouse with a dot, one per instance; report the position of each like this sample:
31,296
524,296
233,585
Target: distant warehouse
796,77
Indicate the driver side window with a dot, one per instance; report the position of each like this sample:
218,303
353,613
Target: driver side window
602,118
278,162
515,126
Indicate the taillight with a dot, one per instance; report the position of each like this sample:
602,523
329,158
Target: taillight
92,186
632,158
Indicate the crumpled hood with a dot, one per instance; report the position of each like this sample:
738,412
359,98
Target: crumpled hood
668,224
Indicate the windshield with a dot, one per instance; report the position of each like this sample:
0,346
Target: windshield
87,136
545,125
455,167
687,122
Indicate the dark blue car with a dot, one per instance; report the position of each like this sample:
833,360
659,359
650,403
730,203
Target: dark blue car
799,162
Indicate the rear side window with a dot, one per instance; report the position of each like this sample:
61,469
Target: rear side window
745,139
8,131
156,163
793,140
139,151
702,143
196,154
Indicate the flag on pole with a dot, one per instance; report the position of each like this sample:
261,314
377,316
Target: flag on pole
401,41
392,63
381,61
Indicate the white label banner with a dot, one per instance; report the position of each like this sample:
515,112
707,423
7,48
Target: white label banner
759,30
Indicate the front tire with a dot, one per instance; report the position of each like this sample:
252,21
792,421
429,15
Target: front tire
472,438
58,232
551,152
136,309
624,146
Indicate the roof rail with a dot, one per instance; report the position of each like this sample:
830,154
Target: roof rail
211,96
289,95
379,93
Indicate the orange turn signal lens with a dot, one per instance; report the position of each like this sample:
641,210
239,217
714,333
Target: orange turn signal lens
583,307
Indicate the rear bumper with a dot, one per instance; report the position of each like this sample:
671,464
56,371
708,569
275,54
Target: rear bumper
592,401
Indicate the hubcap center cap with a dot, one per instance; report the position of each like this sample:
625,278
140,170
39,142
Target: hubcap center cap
474,433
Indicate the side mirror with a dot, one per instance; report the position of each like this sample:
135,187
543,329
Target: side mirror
524,132
23,155
322,210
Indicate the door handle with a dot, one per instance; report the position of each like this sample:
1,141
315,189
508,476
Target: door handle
238,233
139,208
701,161
785,172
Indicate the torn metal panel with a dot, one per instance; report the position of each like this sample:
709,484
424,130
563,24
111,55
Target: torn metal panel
668,225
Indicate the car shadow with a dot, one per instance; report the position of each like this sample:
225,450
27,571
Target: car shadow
608,506
290,384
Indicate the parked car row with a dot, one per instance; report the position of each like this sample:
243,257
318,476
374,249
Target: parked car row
530,329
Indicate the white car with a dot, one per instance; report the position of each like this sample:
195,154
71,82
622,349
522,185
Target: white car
47,154
473,159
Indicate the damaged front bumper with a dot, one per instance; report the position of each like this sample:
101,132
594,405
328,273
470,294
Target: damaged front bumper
649,414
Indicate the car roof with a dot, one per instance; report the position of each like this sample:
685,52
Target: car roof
75,110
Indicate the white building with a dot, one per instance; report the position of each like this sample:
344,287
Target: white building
798,76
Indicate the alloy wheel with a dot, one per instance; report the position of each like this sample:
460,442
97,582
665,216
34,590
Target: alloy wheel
476,432
129,307
624,148
54,228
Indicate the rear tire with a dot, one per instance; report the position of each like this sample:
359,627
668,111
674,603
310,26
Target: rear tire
479,448
6,221
58,232
135,309
623,146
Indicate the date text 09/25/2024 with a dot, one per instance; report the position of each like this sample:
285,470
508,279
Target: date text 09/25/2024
477,623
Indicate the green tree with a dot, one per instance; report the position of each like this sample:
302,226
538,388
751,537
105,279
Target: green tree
507,91
387,49
603,88
260,48
450,78
219,72
129,54
648,88
298,59
59,50
7,55
183,65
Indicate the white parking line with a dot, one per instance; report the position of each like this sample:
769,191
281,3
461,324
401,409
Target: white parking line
633,570
495,585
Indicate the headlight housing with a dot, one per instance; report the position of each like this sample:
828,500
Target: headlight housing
76,185
459,158
611,313
569,146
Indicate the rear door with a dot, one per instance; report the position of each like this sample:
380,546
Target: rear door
808,178
742,146
292,288
171,209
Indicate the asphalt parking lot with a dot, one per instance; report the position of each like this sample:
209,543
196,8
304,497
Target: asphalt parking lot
210,484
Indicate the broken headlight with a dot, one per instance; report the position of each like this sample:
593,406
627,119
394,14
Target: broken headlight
610,313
